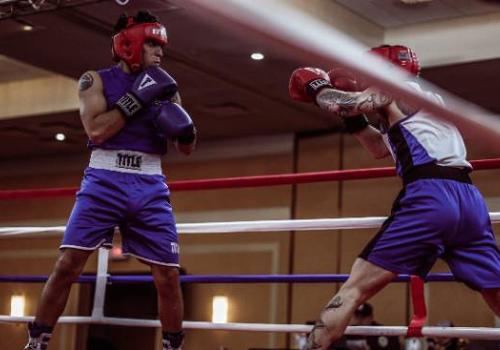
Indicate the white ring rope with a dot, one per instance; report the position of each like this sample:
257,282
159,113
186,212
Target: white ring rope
459,332
246,226
316,41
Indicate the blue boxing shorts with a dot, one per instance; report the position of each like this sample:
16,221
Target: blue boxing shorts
438,218
136,201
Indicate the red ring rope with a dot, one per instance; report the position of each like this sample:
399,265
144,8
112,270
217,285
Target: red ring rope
247,181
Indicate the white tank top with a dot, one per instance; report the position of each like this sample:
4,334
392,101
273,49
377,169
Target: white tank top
421,138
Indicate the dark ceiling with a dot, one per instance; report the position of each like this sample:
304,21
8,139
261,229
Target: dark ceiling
227,93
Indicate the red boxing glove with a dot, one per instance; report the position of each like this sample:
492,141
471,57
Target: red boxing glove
305,83
345,80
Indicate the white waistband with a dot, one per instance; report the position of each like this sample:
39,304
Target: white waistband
126,161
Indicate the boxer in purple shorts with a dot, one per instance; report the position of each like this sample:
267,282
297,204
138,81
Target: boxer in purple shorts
129,111
438,213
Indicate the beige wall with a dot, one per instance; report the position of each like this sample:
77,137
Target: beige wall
251,253
316,251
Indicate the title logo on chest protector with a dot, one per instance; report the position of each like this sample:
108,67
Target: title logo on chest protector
129,161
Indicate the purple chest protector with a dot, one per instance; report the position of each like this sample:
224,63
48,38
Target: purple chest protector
138,134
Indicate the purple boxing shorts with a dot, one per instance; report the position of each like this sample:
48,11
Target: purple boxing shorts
437,218
138,204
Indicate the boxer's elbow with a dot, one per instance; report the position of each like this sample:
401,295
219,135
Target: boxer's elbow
97,138
379,151
100,135
381,155
95,134
99,131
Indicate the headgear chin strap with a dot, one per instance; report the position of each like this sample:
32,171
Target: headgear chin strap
400,55
128,43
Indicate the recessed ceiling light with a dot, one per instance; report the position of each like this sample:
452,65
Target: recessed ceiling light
257,56
24,25
60,136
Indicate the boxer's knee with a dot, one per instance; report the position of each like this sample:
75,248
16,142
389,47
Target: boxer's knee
70,265
492,298
166,279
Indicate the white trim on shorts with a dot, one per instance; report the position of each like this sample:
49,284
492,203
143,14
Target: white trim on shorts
125,161
151,261
101,244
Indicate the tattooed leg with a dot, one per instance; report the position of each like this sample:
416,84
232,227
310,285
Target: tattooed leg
335,303
319,338
314,339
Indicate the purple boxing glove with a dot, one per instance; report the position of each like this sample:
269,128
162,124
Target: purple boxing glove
175,123
152,84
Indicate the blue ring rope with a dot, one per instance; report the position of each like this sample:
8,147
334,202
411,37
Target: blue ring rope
302,278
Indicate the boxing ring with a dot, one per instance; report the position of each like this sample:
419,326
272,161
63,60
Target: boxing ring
102,278
308,39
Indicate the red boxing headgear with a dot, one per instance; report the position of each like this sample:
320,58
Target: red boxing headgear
127,44
400,55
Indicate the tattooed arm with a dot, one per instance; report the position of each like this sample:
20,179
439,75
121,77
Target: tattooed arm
99,123
347,104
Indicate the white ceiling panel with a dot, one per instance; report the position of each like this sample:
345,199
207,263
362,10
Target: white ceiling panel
394,13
